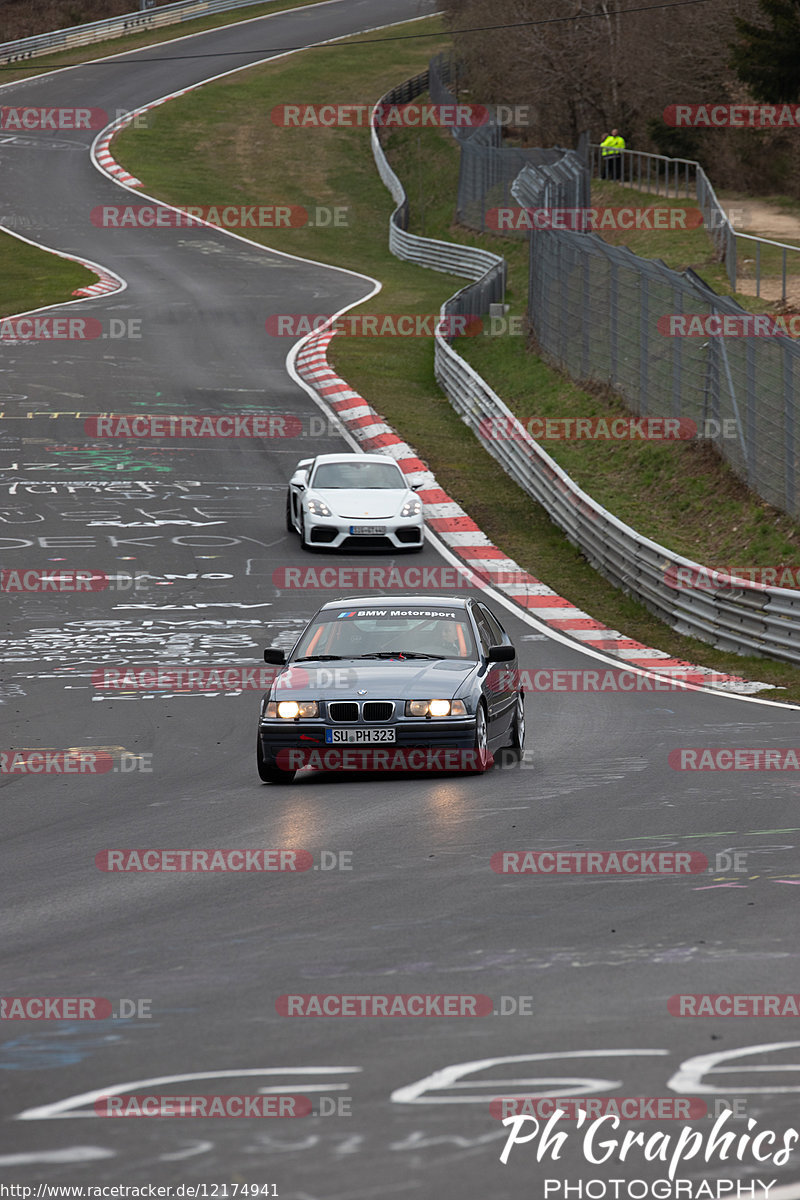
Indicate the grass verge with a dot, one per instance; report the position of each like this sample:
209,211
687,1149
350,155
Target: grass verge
33,278
191,149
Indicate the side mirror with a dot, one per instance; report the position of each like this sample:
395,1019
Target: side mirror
301,487
501,654
415,487
277,657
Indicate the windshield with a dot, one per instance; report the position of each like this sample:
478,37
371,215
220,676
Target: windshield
358,475
440,633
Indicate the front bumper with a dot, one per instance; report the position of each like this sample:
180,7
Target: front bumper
447,745
335,532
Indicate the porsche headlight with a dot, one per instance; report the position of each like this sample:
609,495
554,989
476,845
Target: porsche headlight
318,509
435,708
412,507
290,710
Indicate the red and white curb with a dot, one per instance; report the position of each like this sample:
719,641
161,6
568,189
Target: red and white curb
107,283
459,532
101,149
105,158
104,286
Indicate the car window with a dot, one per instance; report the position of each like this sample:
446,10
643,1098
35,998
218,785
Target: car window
484,631
349,634
498,634
358,475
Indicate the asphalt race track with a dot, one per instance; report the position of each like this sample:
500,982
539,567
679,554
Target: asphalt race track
419,910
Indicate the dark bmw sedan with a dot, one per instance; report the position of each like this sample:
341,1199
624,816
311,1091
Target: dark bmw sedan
406,684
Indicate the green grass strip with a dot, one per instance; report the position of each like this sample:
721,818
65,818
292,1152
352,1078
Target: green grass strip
33,278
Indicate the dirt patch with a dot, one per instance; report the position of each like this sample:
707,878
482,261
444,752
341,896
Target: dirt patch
771,290
765,220
754,216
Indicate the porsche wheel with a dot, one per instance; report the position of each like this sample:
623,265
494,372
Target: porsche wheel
303,543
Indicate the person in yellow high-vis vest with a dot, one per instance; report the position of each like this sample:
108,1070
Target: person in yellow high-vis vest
611,149
607,147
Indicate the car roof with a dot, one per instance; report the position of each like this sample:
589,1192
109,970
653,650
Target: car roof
397,602
337,458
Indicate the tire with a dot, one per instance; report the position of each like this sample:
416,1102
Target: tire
517,743
480,745
303,543
289,523
268,772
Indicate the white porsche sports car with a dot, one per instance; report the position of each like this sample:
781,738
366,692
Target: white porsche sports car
353,500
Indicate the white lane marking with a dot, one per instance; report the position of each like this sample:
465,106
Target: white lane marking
687,1079
448,1077
192,1152
307,1087
64,1108
72,1154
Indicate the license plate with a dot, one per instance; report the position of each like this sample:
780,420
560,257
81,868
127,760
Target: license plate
359,735
367,530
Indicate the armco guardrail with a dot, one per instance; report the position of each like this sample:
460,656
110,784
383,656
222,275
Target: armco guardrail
745,619
99,31
428,252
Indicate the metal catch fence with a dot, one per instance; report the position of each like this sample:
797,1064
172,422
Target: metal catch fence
671,347
683,177
488,168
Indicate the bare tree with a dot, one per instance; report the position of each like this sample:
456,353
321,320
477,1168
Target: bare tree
596,64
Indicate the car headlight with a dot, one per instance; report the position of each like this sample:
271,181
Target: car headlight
318,509
289,710
435,708
412,507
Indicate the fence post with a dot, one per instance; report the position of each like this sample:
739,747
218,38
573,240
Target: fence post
677,364
788,428
531,277
711,405
734,402
613,317
564,275
750,409
644,340
586,315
